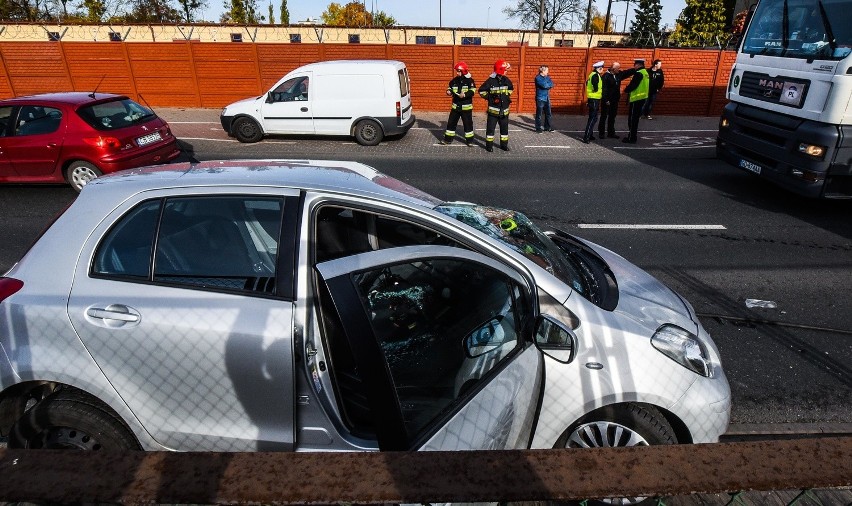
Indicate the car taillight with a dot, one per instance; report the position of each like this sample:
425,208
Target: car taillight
398,110
103,142
9,286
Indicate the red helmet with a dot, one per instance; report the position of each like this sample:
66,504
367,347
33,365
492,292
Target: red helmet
501,66
461,66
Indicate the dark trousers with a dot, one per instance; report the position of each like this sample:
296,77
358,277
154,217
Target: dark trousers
608,113
491,125
634,112
649,104
594,105
543,111
453,121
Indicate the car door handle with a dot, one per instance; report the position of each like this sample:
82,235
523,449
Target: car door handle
304,109
114,313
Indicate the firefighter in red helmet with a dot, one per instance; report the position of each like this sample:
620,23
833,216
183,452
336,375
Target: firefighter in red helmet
461,89
497,91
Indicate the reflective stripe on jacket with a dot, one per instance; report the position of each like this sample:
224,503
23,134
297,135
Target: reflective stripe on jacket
594,90
465,86
497,90
641,91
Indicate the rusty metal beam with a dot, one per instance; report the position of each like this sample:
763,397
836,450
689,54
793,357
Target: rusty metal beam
288,478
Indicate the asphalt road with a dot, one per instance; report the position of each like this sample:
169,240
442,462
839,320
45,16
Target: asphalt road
712,232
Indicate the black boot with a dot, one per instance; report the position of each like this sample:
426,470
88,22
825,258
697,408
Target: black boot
489,146
505,147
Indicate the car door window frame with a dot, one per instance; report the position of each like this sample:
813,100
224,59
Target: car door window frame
286,261
368,354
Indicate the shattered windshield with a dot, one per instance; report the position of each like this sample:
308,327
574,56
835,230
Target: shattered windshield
810,29
520,234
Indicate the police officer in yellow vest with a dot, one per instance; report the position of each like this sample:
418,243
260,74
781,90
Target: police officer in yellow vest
594,92
637,93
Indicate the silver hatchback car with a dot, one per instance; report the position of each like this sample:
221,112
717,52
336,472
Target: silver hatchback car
293,305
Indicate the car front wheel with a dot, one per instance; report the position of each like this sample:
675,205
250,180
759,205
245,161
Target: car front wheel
619,426
80,173
70,420
368,132
247,130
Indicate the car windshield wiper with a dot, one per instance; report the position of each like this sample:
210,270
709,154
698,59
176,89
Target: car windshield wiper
827,25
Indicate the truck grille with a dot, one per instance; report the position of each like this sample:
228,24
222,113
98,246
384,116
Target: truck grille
777,90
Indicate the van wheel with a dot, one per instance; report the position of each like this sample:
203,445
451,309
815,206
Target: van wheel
70,420
247,130
78,174
368,132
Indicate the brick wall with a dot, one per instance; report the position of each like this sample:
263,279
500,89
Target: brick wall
211,74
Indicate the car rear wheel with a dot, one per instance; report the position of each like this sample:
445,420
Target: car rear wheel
70,420
79,174
368,132
619,426
247,130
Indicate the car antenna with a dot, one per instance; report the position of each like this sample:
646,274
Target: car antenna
146,102
92,94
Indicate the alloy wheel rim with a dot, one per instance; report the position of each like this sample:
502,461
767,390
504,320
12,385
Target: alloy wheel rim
601,434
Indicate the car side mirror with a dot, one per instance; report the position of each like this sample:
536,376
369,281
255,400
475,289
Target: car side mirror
555,339
485,339
269,99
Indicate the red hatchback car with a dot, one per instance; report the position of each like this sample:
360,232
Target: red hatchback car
78,136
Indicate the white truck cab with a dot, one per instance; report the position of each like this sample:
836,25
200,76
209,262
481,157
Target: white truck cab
367,99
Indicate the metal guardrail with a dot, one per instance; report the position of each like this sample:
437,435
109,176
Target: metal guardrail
413,477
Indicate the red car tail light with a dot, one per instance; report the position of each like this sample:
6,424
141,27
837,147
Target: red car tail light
398,110
103,142
8,286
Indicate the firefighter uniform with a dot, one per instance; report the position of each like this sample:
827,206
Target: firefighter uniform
461,88
497,91
637,92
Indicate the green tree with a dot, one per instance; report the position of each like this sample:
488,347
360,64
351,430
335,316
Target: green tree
557,13
271,14
190,7
648,15
93,10
285,13
25,10
150,11
354,14
701,23
382,19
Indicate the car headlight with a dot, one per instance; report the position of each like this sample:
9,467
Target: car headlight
683,347
224,110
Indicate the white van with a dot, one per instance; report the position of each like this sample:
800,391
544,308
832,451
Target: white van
369,99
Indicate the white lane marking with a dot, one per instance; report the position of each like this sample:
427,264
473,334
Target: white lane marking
650,227
553,147
230,140
193,122
665,147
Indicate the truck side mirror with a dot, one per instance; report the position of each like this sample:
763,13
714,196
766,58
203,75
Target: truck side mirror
555,339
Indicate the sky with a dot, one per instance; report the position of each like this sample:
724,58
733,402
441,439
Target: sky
446,13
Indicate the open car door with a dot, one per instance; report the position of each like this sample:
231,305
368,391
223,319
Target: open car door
430,347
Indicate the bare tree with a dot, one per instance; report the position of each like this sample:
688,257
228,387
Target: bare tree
556,13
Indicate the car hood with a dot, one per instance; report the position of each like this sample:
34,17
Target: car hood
241,105
642,297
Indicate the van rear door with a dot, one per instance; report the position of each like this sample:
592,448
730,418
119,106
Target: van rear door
405,96
288,108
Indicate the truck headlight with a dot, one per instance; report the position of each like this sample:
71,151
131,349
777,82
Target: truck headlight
724,123
683,347
812,150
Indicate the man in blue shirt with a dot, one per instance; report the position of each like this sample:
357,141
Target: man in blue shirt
543,83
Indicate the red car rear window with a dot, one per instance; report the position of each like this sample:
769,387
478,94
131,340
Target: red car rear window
115,114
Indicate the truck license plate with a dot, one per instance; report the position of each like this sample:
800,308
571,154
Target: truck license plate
747,165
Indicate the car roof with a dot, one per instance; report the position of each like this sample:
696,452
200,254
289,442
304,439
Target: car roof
70,97
334,176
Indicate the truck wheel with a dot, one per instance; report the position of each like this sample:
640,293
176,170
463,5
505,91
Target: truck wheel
78,174
368,132
247,130
70,420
